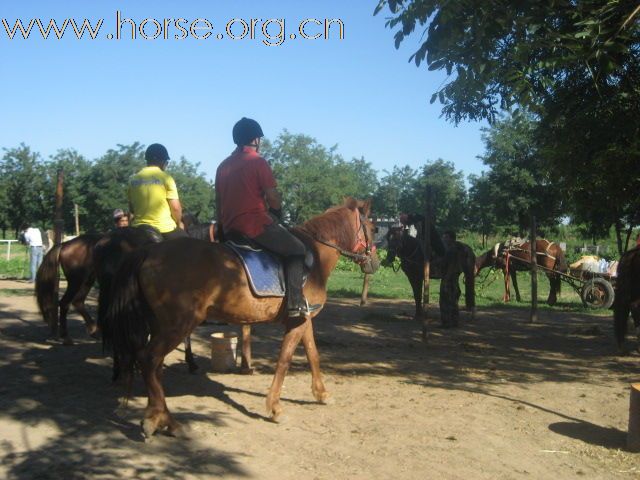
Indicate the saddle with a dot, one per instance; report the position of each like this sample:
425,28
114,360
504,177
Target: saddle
265,270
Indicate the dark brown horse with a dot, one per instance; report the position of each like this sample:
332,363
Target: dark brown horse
627,296
75,257
460,259
164,290
81,264
517,257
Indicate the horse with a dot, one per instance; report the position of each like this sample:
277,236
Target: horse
75,257
459,258
627,296
162,291
548,255
78,261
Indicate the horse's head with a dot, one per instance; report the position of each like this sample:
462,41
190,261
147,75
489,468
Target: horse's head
364,229
394,239
492,258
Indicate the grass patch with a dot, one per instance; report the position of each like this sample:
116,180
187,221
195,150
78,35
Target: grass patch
16,292
386,284
17,266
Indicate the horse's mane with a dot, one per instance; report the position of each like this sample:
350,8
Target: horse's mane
332,225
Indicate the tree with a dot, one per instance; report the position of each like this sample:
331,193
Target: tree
395,192
449,194
480,207
312,177
519,182
105,187
23,180
76,172
196,192
498,53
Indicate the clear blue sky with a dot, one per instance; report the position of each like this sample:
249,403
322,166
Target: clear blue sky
360,93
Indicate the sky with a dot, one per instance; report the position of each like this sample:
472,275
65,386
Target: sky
358,93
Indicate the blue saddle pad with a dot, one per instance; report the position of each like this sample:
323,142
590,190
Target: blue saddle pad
264,270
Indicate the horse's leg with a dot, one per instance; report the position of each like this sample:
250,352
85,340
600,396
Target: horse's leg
156,415
188,355
514,280
65,301
78,303
245,361
364,298
507,294
317,385
635,313
554,280
416,286
294,330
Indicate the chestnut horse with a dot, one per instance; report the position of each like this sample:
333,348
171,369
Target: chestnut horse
627,296
548,255
163,291
460,259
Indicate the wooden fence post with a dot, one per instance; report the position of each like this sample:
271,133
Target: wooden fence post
58,228
534,270
633,433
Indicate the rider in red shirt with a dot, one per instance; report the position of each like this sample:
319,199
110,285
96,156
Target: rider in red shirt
249,204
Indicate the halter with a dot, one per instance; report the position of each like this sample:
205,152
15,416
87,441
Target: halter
361,241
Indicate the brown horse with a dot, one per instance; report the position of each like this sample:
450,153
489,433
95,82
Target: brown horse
164,290
513,258
627,296
75,257
460,259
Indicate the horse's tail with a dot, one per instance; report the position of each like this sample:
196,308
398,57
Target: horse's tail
46,292
127,315
622,299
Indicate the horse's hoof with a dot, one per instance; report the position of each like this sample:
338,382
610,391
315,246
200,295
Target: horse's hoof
149,427
67,341
325,398
193,368
246,371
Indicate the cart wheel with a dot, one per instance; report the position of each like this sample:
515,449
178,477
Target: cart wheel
597,293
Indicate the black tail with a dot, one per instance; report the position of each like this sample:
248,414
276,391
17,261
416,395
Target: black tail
46,292
126,322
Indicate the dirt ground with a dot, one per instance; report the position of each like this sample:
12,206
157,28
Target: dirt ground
497,398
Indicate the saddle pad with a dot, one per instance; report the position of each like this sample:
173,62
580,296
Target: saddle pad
264,270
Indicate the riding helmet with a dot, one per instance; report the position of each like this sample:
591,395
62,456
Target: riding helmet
156,154
246,130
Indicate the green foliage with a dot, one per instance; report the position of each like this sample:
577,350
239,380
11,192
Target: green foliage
196,192
313,178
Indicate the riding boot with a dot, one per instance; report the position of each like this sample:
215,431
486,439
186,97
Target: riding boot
296,304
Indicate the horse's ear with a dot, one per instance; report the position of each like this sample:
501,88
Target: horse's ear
351,203
365,207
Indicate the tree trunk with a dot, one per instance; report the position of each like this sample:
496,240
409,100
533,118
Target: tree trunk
619,237
629,232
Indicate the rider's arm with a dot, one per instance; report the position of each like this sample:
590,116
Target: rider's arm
176,211
274,200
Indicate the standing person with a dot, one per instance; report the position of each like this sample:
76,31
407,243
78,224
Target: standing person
120,218
249,204
33,240
153,196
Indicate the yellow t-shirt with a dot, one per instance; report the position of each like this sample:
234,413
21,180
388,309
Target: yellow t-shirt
148,192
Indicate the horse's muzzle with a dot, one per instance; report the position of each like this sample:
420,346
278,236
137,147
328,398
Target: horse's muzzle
370,265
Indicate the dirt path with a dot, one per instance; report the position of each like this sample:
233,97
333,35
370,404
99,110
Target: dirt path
496,399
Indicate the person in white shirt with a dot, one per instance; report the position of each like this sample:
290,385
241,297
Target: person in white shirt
33,239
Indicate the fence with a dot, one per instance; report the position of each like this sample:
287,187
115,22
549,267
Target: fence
8,242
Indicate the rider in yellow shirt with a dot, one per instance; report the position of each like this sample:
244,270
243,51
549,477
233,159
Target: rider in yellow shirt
153,196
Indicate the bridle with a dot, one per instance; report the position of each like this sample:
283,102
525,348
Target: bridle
405,258
362,241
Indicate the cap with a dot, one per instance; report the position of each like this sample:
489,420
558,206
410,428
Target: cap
118,213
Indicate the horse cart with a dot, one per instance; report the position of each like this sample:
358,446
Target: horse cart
594,288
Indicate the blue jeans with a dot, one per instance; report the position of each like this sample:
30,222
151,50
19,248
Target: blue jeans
35,261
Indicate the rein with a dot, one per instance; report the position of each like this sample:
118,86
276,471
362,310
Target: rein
357,257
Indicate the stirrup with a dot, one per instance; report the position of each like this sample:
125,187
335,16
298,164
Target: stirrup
303,311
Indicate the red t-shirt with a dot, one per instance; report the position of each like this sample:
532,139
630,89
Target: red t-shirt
241,181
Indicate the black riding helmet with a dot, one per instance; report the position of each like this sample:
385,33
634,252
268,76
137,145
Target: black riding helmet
246,130
156,154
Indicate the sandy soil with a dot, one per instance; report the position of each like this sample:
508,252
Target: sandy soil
496,399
